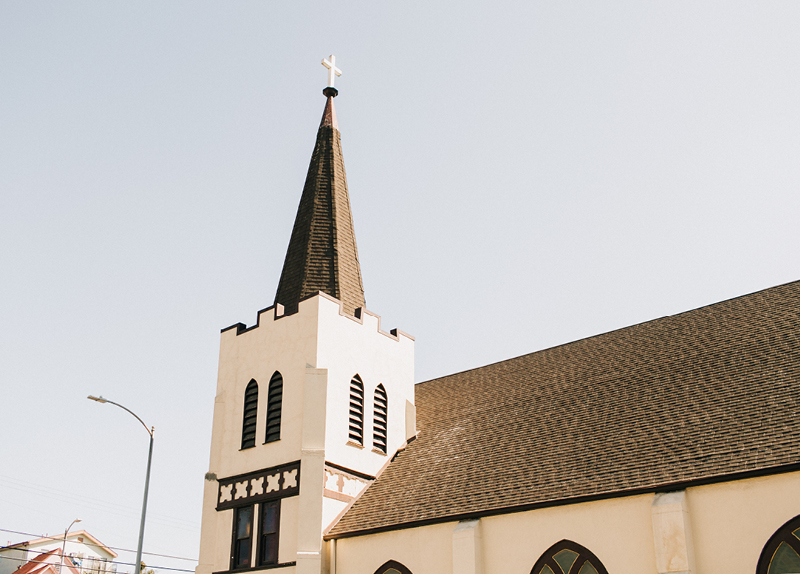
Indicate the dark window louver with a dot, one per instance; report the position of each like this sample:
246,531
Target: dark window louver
379,429
250,415
356,411
274,402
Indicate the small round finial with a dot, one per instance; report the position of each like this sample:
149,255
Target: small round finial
330,92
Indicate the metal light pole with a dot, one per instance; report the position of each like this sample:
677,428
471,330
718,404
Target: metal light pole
64,545
101,399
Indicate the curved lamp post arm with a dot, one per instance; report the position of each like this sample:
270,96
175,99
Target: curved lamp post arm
64,545
102,399
150,431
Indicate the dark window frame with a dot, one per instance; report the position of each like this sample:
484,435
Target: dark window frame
235,539
782,535
250,415
392,564
274,408
584,555
276,503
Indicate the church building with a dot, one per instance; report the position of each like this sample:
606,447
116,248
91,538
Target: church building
670,446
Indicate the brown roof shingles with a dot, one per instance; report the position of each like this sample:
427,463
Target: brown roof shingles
322,253
706,393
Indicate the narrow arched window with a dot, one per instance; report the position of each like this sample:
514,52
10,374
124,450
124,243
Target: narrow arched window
356,434
274,400
781,554
568,557
381,418
250,415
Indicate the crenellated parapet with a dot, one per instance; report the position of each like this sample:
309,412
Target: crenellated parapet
277,312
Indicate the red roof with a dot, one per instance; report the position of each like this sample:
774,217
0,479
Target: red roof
48,562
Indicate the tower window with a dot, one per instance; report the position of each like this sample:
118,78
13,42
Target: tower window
356,434
250,415
242,537
381,418
275,397
269,527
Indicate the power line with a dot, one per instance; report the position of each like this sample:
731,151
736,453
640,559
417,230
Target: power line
55,493
23,561
173,523
94,504
61,538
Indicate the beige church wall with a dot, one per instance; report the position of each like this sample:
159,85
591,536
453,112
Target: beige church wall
208,524
287,545
286,345
717,528
215,538
422,549
618,531
732,521
347,347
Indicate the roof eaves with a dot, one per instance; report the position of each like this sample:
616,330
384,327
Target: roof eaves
658,488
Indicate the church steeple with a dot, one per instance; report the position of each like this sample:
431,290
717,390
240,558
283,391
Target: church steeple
310,405
322,253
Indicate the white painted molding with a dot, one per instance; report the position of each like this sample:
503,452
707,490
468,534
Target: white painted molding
672,535
467,552
312,466
314,409
309,562
411,420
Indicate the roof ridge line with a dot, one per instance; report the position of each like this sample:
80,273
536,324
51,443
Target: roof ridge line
606,332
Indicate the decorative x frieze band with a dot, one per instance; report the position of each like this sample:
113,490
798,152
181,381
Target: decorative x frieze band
272,483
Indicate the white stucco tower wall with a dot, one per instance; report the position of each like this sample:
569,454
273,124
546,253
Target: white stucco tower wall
268,499
317,351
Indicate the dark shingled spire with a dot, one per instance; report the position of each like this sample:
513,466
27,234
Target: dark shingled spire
322,254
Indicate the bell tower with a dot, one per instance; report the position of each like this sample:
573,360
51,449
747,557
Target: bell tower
313,400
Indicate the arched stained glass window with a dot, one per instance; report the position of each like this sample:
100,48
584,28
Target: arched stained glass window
381,416
781,554
356,433
393,567
250,415
274,400
568,557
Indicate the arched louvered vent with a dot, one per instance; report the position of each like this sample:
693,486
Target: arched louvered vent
250,415
356,411
274,401
381,408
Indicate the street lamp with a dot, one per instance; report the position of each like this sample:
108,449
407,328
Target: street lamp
102,399
64,545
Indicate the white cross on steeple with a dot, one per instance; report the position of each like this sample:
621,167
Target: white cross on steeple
333,71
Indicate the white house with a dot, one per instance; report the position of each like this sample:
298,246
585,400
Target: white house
83,553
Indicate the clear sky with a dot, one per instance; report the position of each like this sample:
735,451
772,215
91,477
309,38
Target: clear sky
521,175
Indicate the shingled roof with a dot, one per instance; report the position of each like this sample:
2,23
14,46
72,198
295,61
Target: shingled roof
697,397
322,253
